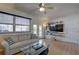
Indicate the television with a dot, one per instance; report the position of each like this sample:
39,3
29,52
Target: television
56,27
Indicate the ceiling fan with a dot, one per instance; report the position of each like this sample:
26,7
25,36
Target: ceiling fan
43,7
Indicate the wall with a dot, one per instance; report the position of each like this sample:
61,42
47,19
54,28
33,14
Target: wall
71,27
10,8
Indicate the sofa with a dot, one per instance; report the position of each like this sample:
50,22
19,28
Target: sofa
16,42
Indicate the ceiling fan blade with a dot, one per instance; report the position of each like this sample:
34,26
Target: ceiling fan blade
49,8
41,4
35,9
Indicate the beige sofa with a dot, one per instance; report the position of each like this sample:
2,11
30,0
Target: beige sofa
20,41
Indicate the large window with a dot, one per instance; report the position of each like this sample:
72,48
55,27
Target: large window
40,31
35,29
6,28
6,23
12,23
22,24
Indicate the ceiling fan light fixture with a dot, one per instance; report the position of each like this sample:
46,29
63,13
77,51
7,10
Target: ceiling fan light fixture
42,9
43,4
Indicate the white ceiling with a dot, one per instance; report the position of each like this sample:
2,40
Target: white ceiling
60,9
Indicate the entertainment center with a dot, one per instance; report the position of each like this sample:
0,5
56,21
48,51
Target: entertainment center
55,30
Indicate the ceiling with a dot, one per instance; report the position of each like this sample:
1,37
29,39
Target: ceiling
59,9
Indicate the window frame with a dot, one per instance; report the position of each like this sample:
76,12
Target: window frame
14,25
21,25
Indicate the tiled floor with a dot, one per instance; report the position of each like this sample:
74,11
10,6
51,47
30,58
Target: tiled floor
62,48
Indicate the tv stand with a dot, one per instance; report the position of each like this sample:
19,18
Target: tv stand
55,36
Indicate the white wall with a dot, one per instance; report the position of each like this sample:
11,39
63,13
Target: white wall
10,8
71,27
6,6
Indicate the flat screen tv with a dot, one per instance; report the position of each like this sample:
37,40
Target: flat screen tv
56,27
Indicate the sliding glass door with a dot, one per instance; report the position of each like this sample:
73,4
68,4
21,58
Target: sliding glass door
40,31
35,29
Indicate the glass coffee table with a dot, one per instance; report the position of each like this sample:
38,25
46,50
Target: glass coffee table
35,49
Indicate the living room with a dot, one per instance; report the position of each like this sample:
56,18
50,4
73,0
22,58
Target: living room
25,25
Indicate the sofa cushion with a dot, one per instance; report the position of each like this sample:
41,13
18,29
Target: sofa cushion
9,41
23,43
23,37
14,37
20,44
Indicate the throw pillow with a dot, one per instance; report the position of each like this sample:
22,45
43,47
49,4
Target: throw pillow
9,40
